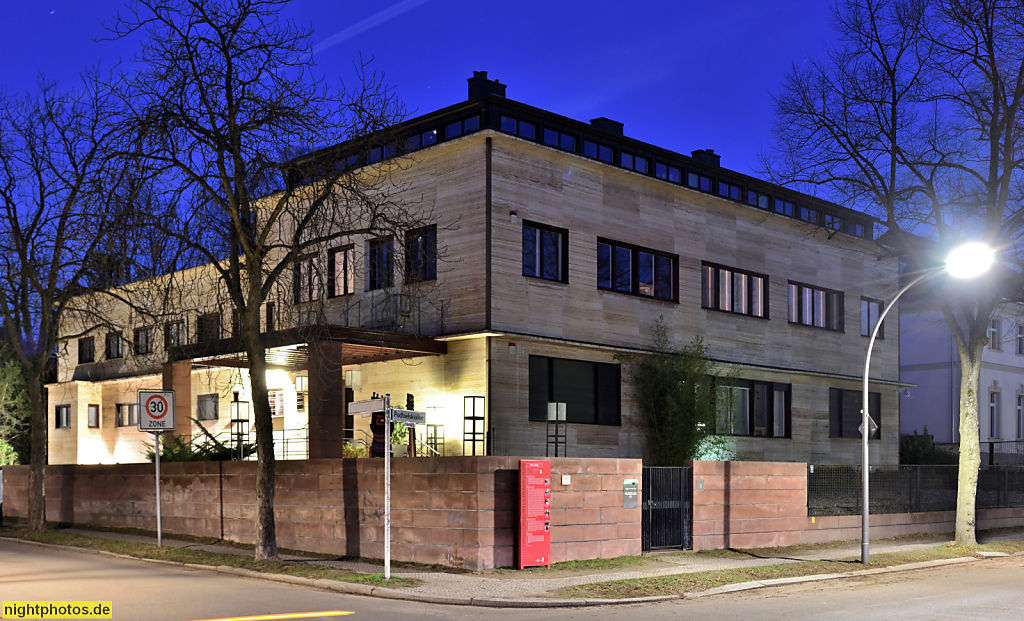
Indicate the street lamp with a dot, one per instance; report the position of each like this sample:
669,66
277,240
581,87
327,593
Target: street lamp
967,261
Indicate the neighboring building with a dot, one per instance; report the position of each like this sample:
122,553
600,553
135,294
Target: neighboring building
929,360
557,246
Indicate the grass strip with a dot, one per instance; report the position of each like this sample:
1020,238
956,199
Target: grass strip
305,569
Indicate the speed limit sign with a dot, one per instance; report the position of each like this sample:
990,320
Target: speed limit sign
156,410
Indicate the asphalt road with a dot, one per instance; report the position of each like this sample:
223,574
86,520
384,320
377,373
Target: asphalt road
992,589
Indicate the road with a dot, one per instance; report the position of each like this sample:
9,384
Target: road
992,589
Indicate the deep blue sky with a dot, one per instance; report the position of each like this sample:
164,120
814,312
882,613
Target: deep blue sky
681,75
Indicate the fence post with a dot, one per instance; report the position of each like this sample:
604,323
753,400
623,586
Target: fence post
991,454
1006,486
917,501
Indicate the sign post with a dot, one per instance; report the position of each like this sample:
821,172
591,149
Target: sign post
156,415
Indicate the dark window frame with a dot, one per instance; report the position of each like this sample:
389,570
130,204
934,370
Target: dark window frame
635,251
753,387
421,254
93,421
175,328
377,276
143,340
62,416
86,350
208,328
759,200
712,302
208,398
845,415
865,329
132,410
606,397
832,297
697,180
541,258
733,192
308,281
347,274
114,348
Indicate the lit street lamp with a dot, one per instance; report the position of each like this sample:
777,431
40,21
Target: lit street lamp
967,261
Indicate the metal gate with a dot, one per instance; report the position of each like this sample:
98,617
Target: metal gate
667,508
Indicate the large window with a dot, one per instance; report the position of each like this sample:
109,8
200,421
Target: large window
631,269
126,414
207,407
421,255
208,328
844,413
811,306
62,416
174,334
734,291
307,279
380,263
747,408
115,345
870,311
144,341
545,252
86,350
590,390
341,273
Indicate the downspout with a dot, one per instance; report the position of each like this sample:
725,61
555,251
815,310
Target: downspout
489,443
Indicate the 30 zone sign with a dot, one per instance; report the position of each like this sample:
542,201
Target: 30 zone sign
156,411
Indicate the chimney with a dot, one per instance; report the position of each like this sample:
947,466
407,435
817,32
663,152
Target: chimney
707,157
607,125
480,86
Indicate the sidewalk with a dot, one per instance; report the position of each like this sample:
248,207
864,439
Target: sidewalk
509,588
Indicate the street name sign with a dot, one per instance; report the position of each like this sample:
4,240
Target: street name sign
409,417
366,407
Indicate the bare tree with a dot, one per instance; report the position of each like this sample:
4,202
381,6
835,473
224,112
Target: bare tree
915,116
56,208
267,163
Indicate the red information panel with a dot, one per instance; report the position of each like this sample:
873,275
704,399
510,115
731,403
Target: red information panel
534,513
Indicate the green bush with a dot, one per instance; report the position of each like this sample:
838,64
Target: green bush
176,448
920,449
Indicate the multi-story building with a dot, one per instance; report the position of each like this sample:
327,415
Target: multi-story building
556,245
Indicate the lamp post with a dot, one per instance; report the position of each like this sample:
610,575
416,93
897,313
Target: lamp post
967,261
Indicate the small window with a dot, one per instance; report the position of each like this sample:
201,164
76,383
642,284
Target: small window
634,162
143,341
668,173
174,334
833,223
207,407
857,229
757,199
559,140
870,311
1020,417
545,252
301,392
126,414
62,417
809,215
208,328
734,291
994,412
523,129
341,273
307,285
1020,340
86,350
698,181
458,128
276,398
236,323
995,335
846,417
730,190
639,271
380,263
748,408
115,346
598,151
94,415
786,208
819,308
421,255
270,317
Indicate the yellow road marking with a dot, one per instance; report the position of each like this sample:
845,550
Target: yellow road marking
290,615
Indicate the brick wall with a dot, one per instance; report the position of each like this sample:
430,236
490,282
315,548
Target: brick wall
457,511
763,504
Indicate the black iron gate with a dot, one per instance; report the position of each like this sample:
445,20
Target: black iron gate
667,508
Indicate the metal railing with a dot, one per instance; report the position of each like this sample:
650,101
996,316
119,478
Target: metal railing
1003,453
836,490
394,312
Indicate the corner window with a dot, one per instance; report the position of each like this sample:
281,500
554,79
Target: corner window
62,416
819,308
380,263
174,334
94,415
208,328
517,127
844,413
730,191
639,271
126,414
749,408
421,255
207,407
115,346
86,350
545,252
144,341
698,181
870,311
734,291
458,128
589,390
341,276
995,335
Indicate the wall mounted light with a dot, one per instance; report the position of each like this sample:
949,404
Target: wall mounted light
512,349
513,216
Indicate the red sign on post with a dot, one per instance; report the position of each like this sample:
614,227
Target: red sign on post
534,513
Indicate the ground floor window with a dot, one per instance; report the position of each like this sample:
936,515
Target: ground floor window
207,407
844,413
749,408
62,416
127,414
590,390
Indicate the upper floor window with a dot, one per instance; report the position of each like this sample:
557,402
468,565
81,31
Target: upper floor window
62,416
174,334
634,162
699,182
757,199
598,151
746,408
669,173
207,407
786,208
870,311
809,215
86,350
734,291
995,335
307,286
589,390
144,341
845,416
208,328
559,140
270,317
523,129
1020,339
421,255
115,346
811,306
341,275
380,263
236,323
855,228
833,222
276,398
465,126
545,252
93,415
730,190
632,269
421,140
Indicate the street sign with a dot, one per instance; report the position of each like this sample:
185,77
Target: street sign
871,423
409,417
366,407
156,410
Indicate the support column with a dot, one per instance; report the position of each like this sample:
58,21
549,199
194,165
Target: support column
326,400
178,377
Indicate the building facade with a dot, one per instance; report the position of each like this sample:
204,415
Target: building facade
554,247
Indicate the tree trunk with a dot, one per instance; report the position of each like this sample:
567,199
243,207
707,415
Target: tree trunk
266,531
970,446
37,463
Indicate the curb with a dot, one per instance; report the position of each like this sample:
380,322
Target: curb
354,588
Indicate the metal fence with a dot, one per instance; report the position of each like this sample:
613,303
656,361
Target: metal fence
667,510
836,490
1003,453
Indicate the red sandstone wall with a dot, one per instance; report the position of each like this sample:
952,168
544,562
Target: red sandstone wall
457,511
